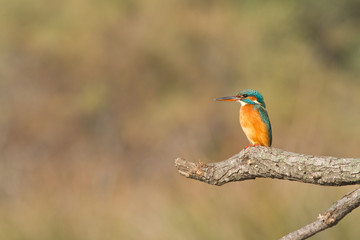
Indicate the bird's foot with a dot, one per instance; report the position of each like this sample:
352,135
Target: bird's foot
252,145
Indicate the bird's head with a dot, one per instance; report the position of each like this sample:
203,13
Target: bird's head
246,97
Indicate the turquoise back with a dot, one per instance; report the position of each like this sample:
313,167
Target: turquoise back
265,118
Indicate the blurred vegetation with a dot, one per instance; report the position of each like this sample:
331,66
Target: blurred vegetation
99,97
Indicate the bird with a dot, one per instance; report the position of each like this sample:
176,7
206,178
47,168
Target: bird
253,117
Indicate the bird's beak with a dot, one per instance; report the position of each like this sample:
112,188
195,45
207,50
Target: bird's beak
230,98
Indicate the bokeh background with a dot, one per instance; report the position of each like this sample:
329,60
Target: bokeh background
98,98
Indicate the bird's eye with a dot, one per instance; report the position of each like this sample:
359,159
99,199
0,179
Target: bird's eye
245,95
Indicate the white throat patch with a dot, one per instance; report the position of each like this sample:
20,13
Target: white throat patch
242,103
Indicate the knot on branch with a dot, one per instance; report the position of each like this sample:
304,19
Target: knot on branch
189,169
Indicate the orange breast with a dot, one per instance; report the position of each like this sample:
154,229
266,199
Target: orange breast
253,127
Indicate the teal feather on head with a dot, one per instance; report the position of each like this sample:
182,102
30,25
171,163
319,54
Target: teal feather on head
251,92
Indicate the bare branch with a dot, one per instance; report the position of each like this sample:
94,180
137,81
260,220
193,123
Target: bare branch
265,162
328,218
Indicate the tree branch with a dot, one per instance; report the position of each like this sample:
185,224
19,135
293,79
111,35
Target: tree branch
328,218
264,162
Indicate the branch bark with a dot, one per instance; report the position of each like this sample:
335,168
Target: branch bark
328,218
264,162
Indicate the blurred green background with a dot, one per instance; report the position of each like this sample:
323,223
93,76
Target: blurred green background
98,98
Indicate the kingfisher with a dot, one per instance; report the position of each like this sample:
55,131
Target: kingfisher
253,117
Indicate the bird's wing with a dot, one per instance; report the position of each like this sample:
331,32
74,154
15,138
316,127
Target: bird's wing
265,118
